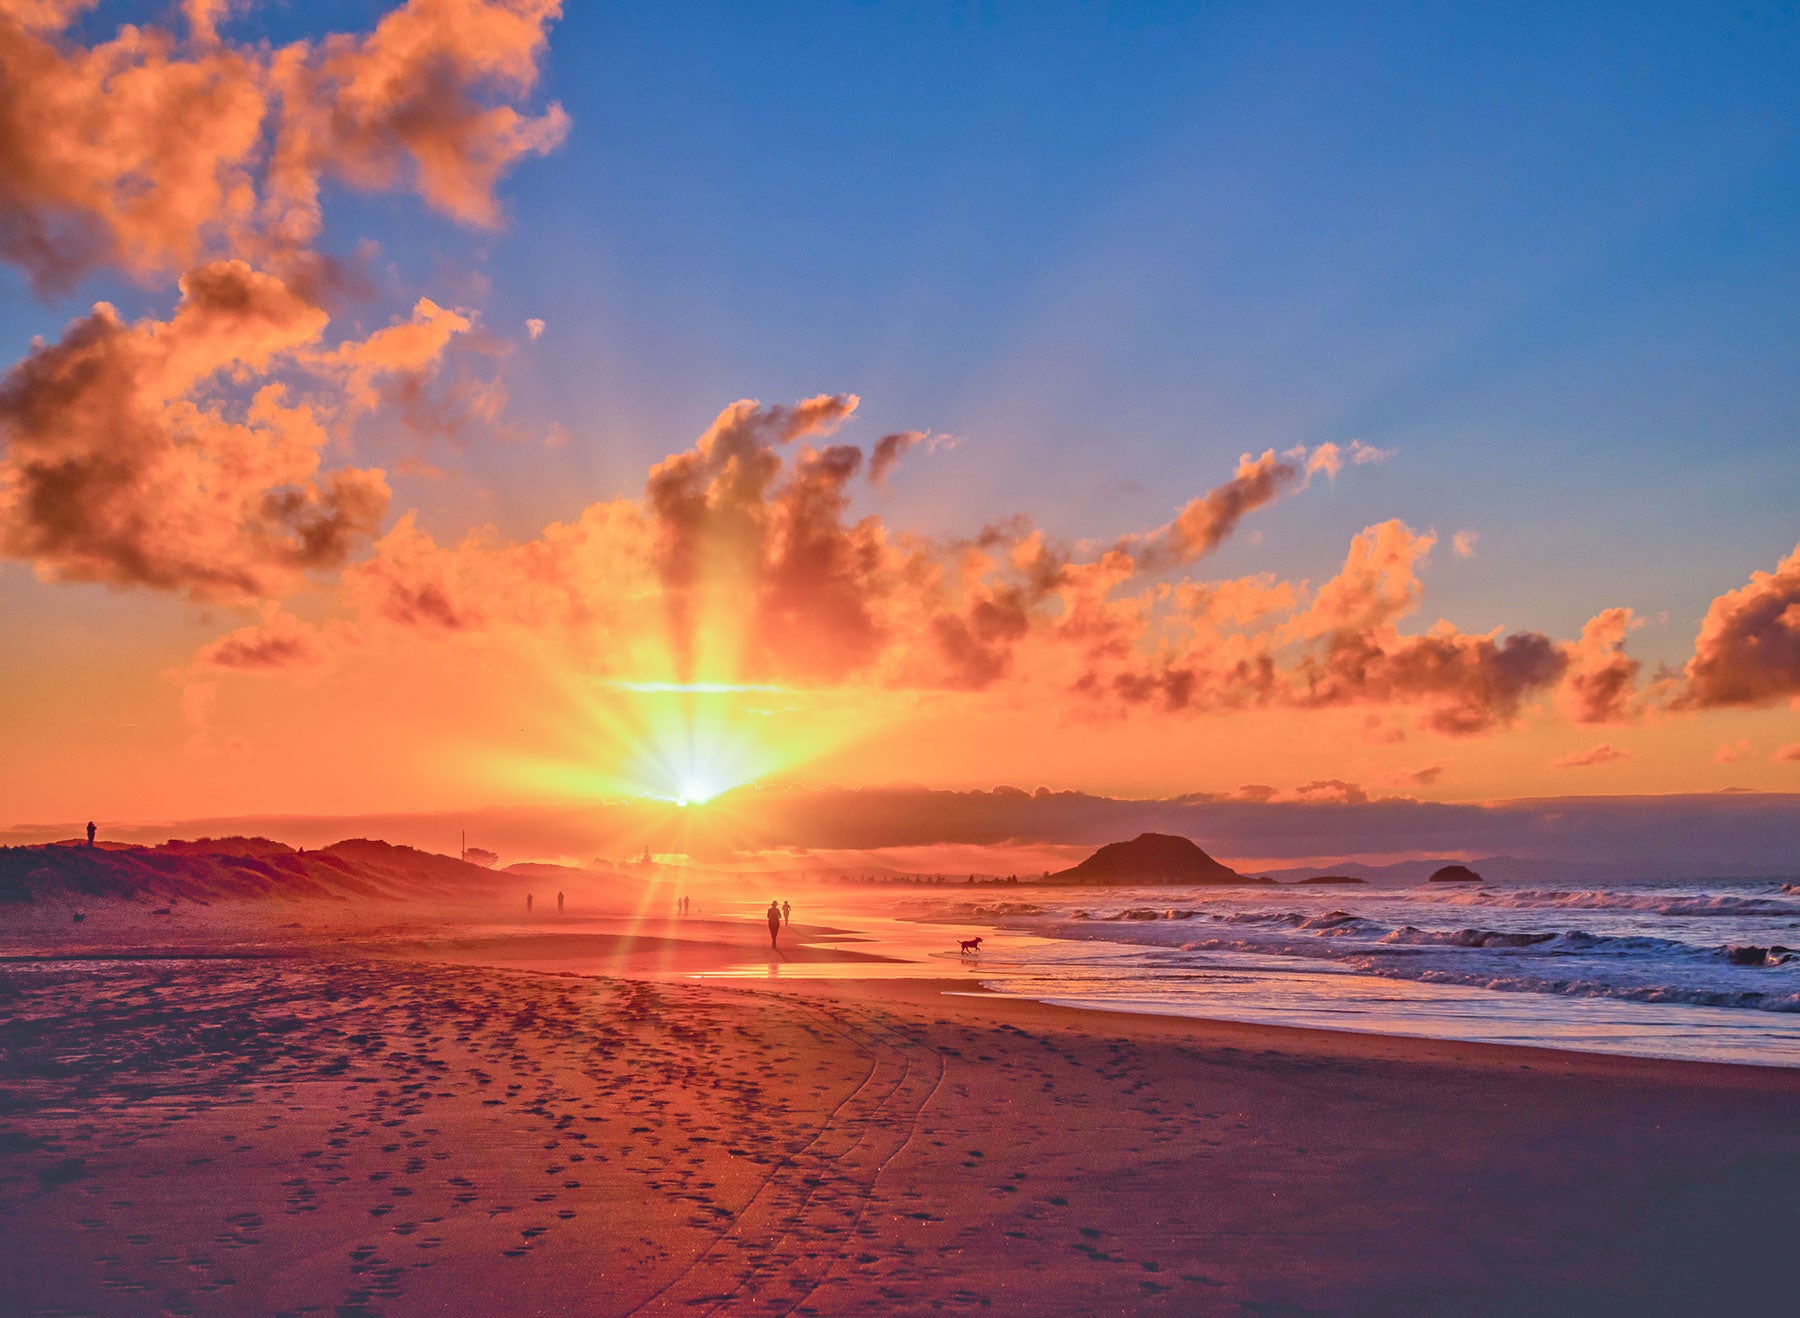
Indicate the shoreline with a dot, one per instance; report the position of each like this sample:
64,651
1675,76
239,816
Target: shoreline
1300,1039
716,949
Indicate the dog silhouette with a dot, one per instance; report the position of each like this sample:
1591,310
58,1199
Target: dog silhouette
969,944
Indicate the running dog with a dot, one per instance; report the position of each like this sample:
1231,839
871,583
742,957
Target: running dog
968,945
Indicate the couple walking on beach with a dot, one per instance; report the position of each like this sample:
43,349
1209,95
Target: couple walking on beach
778,916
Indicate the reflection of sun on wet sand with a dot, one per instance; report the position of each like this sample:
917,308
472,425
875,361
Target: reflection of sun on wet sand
367,1127
623,945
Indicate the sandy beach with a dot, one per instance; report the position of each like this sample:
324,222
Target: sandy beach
331,1130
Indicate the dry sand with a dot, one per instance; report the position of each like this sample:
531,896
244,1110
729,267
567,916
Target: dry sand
347,1130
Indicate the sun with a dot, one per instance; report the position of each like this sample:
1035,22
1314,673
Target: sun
694,789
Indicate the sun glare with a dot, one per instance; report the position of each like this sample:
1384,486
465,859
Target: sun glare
674,741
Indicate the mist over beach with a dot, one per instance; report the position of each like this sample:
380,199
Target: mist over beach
828,659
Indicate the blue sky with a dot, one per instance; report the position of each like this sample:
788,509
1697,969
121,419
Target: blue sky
1546,253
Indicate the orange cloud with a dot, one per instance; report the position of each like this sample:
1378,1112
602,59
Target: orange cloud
1748,649
422,372
754,566
1788,754
1379,582
152,154
1334,791
1344,649
43,15
276,641
588,579
1604,753
733,540
1236,603
407,348
122,467
1732,752
410,102
888,450
1467,683
203,17
1205,523
1602,679
711,506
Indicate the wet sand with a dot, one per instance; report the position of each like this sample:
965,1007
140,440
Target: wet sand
342,1132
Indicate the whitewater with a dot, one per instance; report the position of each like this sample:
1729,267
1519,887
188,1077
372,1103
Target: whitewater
1702,970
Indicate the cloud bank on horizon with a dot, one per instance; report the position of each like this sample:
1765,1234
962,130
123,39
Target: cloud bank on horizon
210,455
915,829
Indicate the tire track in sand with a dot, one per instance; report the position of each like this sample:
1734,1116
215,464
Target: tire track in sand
801,1222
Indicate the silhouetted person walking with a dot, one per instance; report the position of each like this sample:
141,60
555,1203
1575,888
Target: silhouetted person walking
528,903
774,923
787,914
559,900
90,832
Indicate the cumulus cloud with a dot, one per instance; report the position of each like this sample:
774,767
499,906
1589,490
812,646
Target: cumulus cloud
1748,649
405,349
1468,684
748,558
1204,523
1329,458
1238,602
1601,681
1604,753
187,454
424,373
1378,583
712,505
152,154
577,581
276,641
1463,542
122,466
1344,649
889,449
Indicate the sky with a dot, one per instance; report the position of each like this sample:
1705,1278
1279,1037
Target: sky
464,404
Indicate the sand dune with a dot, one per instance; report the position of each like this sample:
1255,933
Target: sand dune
239,868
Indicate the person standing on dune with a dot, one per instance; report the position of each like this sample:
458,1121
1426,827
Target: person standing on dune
90,832
774,923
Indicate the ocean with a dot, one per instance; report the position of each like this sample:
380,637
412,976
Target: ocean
1698,970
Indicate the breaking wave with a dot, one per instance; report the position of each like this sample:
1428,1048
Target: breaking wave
1653,903
1747,968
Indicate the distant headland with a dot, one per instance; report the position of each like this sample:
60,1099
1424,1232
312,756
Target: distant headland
1151,858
